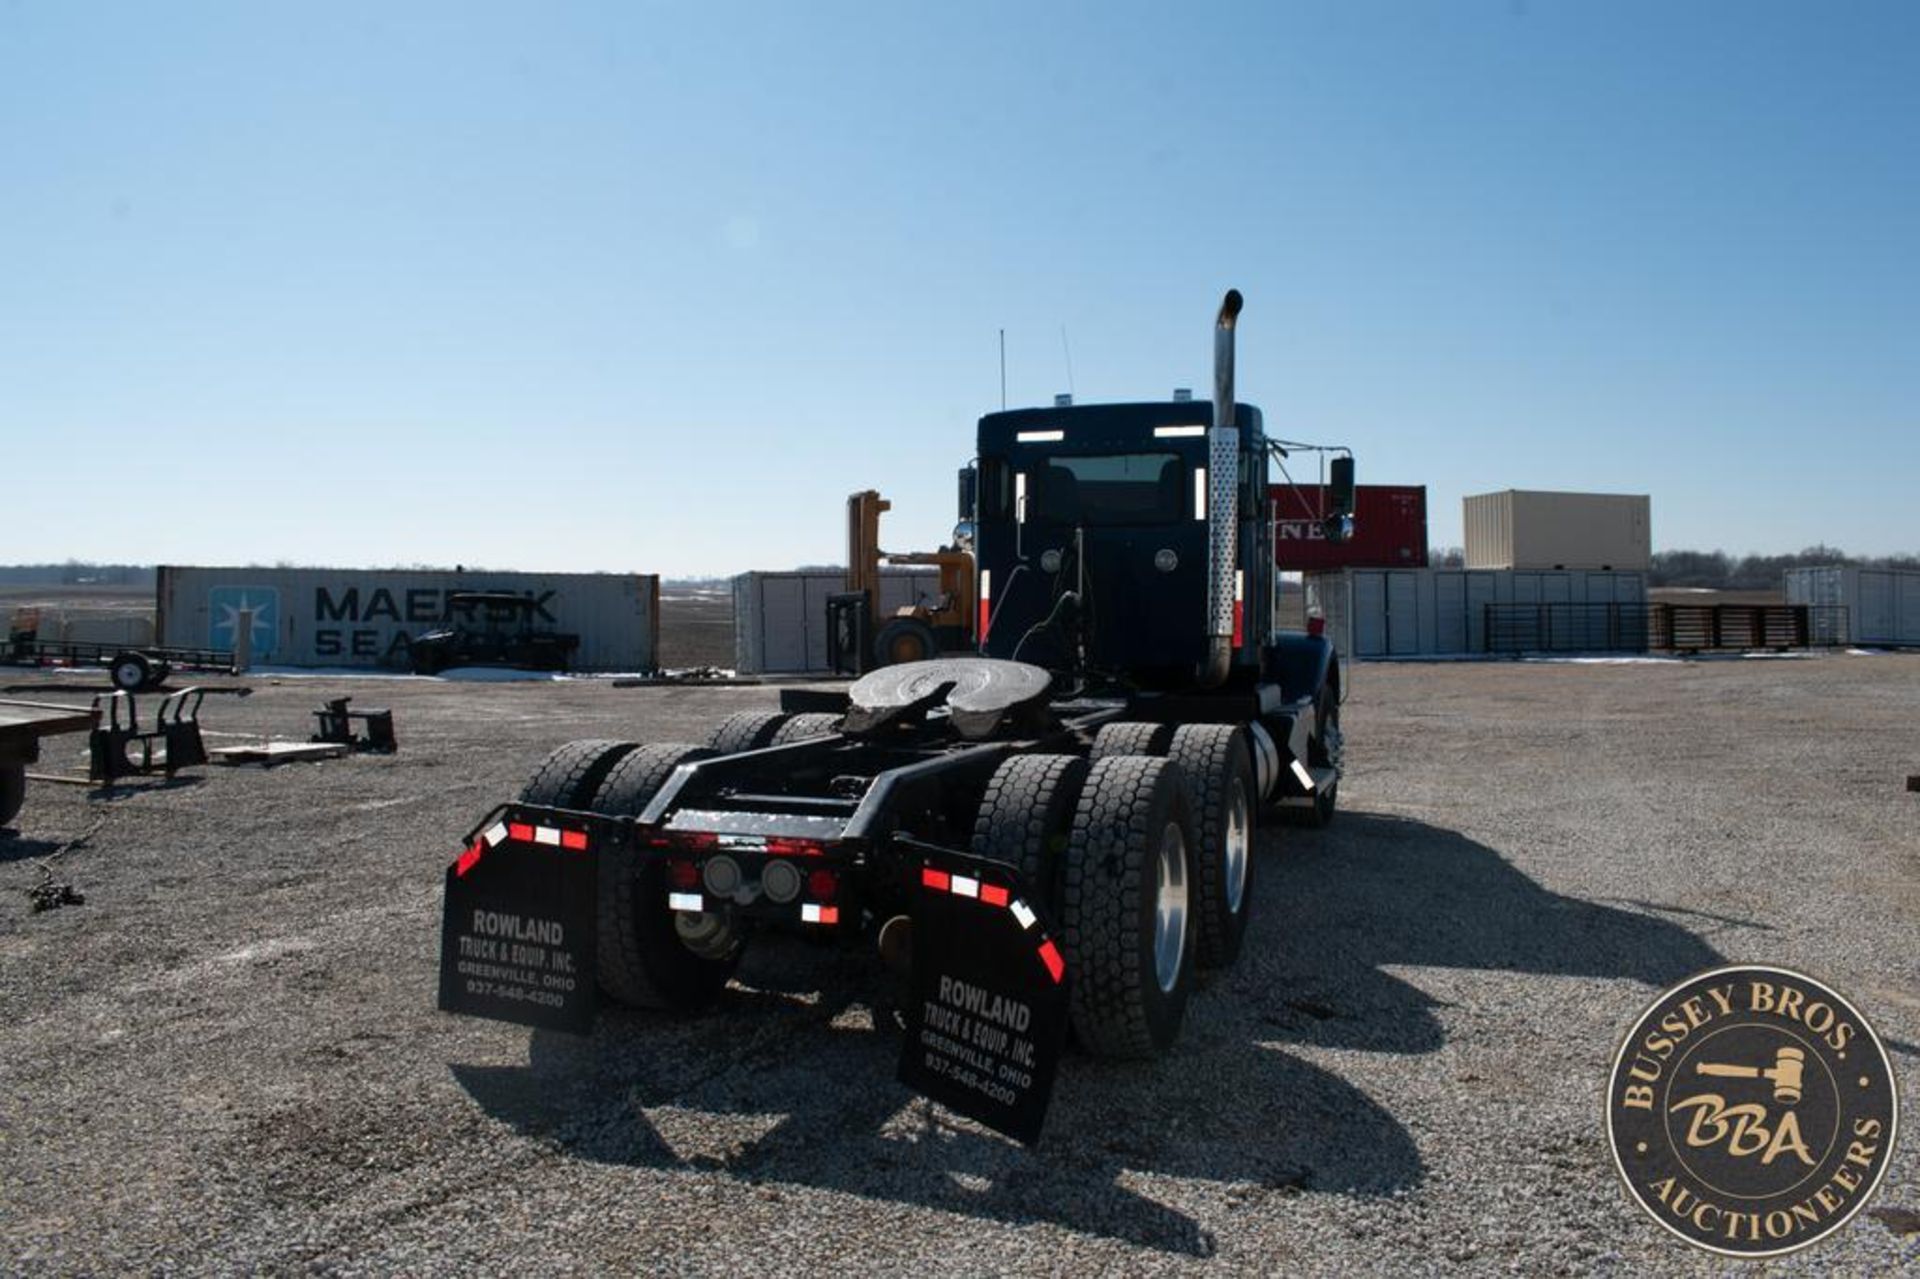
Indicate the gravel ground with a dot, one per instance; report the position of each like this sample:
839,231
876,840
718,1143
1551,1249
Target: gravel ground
228,1058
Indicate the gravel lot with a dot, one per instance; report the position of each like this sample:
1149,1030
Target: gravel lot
228,1058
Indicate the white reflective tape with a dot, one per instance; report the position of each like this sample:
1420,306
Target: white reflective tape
1199,492
1020,497
965,887
686,901
495,833
1300,771
986,584
547,835
1239,586
1022,913
1177,432
809,914
1040,437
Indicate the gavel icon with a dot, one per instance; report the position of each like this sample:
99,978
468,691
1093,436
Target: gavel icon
1787,1072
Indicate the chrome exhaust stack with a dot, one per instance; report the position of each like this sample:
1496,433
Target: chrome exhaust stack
1223,500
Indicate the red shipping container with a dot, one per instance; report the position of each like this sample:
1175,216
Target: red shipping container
1389,528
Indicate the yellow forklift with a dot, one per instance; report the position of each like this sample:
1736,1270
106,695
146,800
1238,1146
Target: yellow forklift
912,632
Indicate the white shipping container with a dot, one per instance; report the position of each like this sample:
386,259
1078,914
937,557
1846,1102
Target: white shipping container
1882,605
1518,529
780,619
322,617
1432,612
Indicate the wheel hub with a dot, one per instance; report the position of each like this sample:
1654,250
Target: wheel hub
1239,849
1170,907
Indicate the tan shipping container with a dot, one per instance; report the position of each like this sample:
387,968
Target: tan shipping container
1607,532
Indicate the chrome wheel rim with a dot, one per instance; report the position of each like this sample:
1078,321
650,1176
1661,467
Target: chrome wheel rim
1170,907
1239,848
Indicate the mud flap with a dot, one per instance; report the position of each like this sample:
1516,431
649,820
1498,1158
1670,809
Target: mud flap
989,1010
517,935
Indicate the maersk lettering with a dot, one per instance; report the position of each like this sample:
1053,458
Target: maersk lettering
423,604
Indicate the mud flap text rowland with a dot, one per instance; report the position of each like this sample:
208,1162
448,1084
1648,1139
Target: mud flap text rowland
984,1028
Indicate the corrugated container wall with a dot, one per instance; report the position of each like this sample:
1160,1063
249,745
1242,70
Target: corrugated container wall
1882,604
780,619
1389,527
1443,611
1535,530
365,617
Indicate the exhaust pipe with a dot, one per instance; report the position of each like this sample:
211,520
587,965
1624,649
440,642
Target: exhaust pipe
1223,500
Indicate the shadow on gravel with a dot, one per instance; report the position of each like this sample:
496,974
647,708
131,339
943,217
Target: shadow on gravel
781,1086
1373,891
776,1089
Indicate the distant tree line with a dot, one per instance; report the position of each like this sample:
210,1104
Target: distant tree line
1717,570
76,573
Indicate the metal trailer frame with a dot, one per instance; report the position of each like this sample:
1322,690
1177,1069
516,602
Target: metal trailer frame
22,725
133,668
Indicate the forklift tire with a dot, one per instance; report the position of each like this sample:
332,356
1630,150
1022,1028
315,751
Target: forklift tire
1129,738
746,731
130,672
571,775
1218,770
1025,817
13,791
904,639
1127,926
641,959
799,728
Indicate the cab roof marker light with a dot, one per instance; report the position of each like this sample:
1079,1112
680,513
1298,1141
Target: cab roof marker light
1178,432
690,902
494,834
1039,437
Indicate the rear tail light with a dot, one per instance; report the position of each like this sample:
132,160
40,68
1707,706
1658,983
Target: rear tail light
723,876
781,880
786,846
683,876
823,885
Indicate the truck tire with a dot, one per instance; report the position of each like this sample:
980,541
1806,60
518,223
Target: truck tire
1130,738
1218,770
799,728
745,731
1323,750
130,672
1126,923
13,791
571,775
904,639
1025,818
641,960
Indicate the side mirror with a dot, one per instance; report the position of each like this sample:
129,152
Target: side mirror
969,491
1340,486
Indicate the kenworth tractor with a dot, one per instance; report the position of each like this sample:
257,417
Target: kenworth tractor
1053,833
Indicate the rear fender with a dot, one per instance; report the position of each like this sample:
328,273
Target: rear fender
1301,663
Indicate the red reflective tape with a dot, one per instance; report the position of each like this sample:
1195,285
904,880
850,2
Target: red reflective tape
574,839
931,878
829,914
986,615
470,858
520,831
791,847
1050,956
993,894
1239,623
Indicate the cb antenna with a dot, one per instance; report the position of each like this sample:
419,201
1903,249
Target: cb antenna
1003,370
1068,351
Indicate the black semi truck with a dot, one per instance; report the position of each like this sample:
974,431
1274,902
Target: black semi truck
1053,833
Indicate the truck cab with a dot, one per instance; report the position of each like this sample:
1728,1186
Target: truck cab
1092,527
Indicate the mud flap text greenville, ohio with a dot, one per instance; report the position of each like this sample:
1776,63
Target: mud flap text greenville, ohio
989,1008
517,938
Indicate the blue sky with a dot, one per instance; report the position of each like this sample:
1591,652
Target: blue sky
652,287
